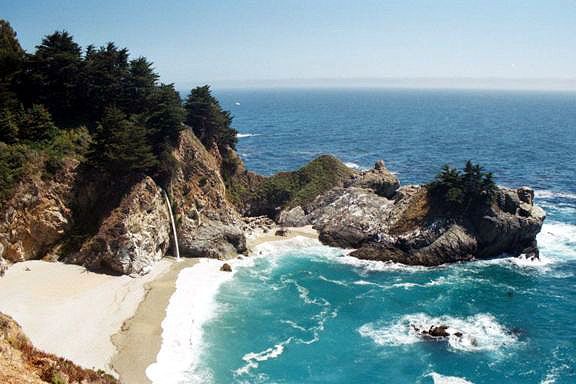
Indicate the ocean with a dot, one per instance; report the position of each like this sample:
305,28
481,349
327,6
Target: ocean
301,312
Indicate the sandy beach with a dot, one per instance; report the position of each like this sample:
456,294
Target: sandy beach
68,311
113,323
140,338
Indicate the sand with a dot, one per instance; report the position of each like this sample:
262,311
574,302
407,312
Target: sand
259,237
140,338
70,312
113,323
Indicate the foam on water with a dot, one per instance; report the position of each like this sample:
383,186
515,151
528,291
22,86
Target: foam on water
546,194
253,359
242,135
190,307
441,379
480,332
557,241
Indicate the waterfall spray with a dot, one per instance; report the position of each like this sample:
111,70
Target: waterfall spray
173,226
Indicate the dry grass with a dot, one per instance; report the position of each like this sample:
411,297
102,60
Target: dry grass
415,214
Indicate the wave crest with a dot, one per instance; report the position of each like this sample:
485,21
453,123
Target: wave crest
479,333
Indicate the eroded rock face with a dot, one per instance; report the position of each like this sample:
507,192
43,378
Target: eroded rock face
134,235
379,180
413,230
37,215
295,217
208,224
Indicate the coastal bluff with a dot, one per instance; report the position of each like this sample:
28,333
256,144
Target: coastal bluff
217,202
383,221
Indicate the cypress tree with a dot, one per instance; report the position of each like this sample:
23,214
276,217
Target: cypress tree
121,146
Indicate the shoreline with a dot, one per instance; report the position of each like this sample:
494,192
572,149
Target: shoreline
140,338
121,316
139,341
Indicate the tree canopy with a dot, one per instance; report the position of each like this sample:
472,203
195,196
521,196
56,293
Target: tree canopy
209,121
464,189
132,119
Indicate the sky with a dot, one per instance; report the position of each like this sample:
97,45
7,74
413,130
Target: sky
282,42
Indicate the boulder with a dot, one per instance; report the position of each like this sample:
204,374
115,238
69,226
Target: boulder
226,267
295,217
212,239
133,236
380,180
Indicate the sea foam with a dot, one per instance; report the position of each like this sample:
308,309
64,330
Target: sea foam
190,307
441,379
480,332
194,303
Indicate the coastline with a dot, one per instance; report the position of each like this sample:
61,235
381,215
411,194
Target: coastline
139,341
49,300
121,316
140,338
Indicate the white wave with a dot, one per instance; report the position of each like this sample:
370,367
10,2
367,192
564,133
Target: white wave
441,379
253,359
479,333
193,304
336,282
546,194
242,135
352,165
557,240
366,266
190,307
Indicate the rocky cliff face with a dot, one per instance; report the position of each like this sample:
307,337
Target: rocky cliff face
403,224
135,232
208,224
133,236
21,363
37,215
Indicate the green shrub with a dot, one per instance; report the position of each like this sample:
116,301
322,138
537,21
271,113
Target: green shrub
464,189
12,161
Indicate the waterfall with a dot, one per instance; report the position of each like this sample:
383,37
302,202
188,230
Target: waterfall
173,226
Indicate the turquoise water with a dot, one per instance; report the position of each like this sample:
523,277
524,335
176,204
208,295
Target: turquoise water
305,313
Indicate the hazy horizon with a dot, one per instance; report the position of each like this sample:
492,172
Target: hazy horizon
518,44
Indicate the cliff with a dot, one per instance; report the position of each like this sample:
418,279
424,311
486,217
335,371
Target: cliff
123,230
21,363
385,222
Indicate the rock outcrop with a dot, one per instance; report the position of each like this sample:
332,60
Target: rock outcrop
379,180
405,225
208,224
21,363
133,236
38,213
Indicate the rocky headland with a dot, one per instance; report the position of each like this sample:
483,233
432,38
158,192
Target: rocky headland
365,210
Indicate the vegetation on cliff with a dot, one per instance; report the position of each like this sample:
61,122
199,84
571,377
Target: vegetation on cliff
301,187
128,119
463,190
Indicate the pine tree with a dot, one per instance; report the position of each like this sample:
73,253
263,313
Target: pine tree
54,78
209,121
122,147
8,127
36,126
